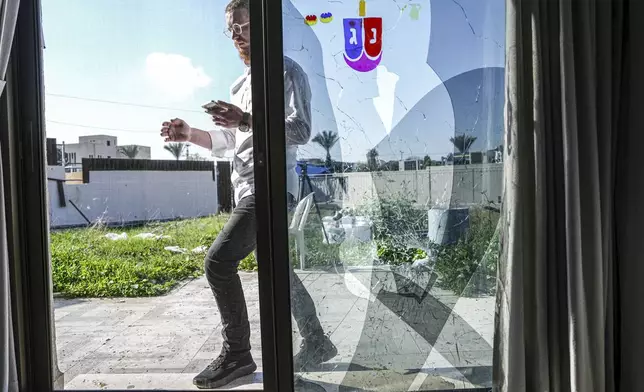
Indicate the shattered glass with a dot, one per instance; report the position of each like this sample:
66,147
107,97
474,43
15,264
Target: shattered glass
399,248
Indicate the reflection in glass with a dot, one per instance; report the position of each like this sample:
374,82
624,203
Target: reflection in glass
401,181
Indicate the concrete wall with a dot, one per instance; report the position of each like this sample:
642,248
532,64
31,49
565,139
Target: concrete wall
132,196
436,186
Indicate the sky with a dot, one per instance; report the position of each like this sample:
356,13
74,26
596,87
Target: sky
122,67
164,53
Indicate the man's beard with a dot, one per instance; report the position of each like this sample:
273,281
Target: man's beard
244,54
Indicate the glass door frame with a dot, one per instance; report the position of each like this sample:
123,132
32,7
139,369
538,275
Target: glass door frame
269,141
23,161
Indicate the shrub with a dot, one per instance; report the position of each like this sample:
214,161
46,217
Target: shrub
396,254
469,266
395,220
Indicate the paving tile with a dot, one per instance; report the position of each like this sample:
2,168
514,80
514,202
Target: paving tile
89,364
334,309
141,364
77,350
163,342
173,381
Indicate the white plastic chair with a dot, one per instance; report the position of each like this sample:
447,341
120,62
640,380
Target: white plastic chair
297,226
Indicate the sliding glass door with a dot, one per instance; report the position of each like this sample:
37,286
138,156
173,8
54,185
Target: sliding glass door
373,178
384,165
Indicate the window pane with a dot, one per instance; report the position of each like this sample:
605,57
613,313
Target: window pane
130,231
394,131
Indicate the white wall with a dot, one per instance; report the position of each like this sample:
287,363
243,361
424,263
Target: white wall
134,196
436,186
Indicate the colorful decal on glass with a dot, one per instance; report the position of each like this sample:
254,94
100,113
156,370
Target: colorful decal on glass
326,17
362,8
414,13
362,43
310,20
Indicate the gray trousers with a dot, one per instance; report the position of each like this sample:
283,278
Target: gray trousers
238,239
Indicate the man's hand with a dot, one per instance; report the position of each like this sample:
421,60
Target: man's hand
226,115
176,130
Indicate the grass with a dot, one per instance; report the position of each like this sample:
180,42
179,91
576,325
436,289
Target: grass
87,264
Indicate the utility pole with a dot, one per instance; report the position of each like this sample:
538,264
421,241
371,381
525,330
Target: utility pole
62,159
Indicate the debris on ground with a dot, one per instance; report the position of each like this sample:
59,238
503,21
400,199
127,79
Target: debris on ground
149,236
116,237
200,249
176,249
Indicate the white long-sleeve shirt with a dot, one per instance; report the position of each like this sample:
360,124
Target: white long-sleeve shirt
297,112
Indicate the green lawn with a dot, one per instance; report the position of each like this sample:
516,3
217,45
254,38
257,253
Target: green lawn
87,264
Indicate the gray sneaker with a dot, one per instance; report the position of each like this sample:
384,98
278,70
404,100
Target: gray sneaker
302,385
224,370
314,352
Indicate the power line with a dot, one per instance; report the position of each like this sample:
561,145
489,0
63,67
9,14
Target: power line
99,128
304,149
122,103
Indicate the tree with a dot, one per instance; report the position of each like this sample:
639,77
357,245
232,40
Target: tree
129,151
372,159
175,149
327,139
463,142
448,159
360,167
427,162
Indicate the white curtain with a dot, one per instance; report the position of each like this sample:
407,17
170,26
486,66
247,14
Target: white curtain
8,374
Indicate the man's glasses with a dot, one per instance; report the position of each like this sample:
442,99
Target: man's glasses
235,28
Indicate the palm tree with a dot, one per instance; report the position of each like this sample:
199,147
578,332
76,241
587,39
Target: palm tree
327,139
129,151
463,142
175,149
372,159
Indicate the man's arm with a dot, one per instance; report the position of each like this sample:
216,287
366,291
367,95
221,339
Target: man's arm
297,104
218,141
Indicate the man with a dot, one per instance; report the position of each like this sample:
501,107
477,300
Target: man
238,237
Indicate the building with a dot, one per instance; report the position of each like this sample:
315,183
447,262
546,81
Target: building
410,164
94,146
97,146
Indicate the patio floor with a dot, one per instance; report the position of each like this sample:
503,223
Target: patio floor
386,342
